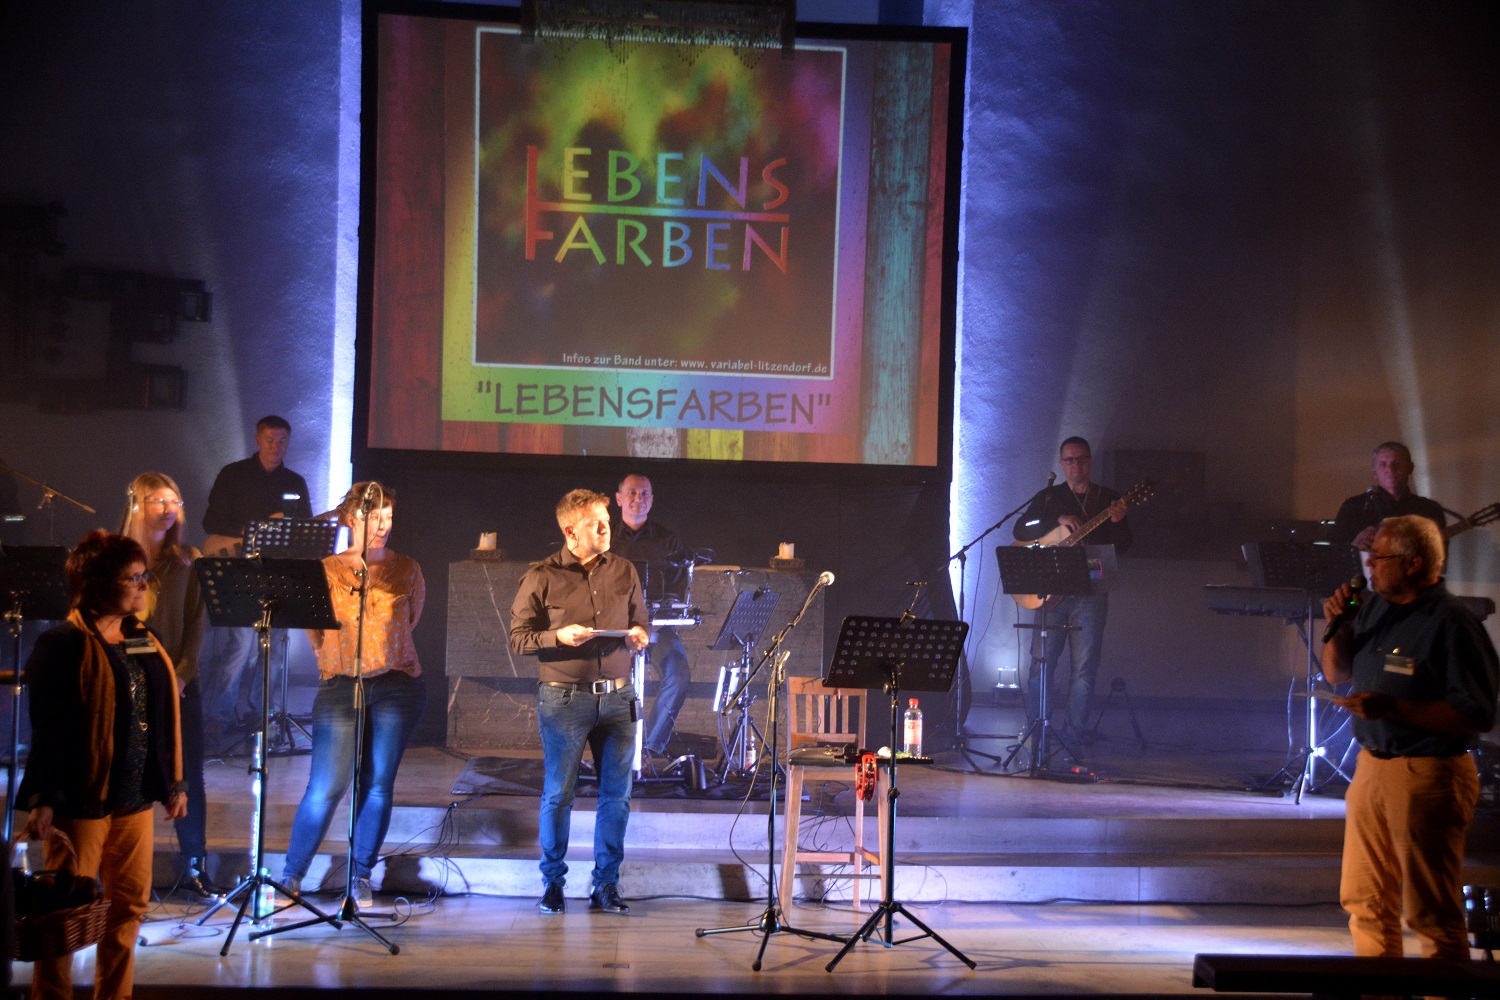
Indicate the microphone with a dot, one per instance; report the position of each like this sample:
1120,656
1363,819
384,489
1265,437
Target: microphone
367,502
1051,478
1357,585
825,579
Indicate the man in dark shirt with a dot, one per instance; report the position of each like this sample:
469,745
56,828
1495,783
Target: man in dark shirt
653,543
1061,509
1425,682
252,489
580,612
1391,496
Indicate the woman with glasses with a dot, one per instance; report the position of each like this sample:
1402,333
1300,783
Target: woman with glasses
175,612
394,693
104,747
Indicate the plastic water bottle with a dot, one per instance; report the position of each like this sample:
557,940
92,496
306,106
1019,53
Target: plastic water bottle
265,903
20,859
752,752
912,744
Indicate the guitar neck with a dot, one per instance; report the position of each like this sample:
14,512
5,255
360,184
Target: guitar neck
1085,528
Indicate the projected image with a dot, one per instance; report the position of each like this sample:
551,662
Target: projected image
640,182
665,251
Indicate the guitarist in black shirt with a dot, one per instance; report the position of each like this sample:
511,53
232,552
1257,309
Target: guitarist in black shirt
1055,514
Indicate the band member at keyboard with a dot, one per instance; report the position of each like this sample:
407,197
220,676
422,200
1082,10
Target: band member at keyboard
641,540
1425,683
1391,496
175,612
252,489
1068,505
394,693
580,612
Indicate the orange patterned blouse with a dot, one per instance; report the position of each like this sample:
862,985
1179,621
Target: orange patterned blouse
397,593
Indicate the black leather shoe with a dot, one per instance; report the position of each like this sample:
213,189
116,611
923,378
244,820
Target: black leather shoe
552,900
196,884
606,897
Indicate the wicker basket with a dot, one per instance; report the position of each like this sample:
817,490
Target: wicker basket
55,933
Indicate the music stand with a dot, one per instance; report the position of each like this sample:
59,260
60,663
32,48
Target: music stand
1051,571
895,654
746,622
1317,570
35,579
260,592
289,538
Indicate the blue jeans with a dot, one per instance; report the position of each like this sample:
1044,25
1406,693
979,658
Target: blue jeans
1085,644
229,671
569,720
670,659
393,704
192,829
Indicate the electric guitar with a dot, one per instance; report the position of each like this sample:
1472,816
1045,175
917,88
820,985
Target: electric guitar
1062,537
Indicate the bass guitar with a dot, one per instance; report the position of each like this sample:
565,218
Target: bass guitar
1061,536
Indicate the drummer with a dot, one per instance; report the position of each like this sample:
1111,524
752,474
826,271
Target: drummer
654,546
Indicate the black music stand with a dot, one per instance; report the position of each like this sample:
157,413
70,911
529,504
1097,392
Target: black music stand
262,592
289,538
35,580
1317,570
746,622
895,654
1052,571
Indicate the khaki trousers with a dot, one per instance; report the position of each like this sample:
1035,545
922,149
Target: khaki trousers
117,851
1404,825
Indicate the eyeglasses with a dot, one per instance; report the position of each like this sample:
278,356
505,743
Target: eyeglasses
137,580
1077,461
1392,555
165,504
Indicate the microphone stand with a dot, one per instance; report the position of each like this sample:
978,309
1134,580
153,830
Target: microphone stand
771,918
963,749
48,495
349,909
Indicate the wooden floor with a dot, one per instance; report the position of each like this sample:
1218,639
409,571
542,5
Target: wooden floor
503,944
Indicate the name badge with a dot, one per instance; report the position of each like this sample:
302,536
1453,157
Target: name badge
1403,665
139,646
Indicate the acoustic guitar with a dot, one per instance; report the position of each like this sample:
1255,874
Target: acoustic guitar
1062,537
1481,517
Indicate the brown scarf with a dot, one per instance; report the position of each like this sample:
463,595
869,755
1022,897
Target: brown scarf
96,683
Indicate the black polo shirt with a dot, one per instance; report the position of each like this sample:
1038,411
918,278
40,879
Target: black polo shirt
245,492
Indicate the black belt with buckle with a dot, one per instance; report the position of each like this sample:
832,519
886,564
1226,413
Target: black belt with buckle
592,687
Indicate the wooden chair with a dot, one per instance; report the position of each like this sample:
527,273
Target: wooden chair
824,715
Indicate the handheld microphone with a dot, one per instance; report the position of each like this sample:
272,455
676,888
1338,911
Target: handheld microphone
1357,585
367,502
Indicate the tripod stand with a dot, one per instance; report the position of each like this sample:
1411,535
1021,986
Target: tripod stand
747,619
887,652
237,593
35,580
771,921
1038,732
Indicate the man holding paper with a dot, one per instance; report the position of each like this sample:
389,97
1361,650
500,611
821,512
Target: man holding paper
581,613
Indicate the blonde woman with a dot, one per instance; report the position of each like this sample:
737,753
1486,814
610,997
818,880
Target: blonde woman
174,611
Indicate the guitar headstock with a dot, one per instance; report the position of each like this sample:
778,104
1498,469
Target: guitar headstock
1140,493
1484,515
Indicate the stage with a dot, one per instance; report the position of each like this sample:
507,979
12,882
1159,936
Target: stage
1052,886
